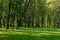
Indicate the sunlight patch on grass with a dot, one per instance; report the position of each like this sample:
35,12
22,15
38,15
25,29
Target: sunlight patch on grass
30,34
0,32
32,31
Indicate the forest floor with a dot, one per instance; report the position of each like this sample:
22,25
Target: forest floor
30,34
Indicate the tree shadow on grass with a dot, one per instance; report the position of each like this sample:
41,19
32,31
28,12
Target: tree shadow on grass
28,37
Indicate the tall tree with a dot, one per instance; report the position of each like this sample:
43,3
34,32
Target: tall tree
1,7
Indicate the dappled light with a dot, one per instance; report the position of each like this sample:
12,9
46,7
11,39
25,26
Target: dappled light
30,34
29,19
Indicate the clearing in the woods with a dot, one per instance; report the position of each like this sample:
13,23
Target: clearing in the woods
30,34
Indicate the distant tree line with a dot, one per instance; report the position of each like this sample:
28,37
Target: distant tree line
29,13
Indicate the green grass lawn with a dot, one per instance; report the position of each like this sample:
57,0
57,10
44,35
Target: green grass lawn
30,34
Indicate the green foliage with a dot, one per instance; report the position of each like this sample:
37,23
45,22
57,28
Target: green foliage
32,13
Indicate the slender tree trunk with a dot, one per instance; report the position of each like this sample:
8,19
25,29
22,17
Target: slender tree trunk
4,22
37,23
13,20
54,23
0,21
1,13
32,20
8,15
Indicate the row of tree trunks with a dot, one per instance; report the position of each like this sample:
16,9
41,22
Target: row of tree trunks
28,14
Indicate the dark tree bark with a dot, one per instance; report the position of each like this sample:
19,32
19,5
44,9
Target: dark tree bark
13,20
1,7
37,22
0,21
8,15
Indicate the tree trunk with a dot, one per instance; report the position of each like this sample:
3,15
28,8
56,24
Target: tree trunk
8,15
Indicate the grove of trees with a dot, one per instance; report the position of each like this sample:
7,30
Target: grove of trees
30,13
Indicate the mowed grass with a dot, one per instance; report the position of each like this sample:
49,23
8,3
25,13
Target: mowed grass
30,34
